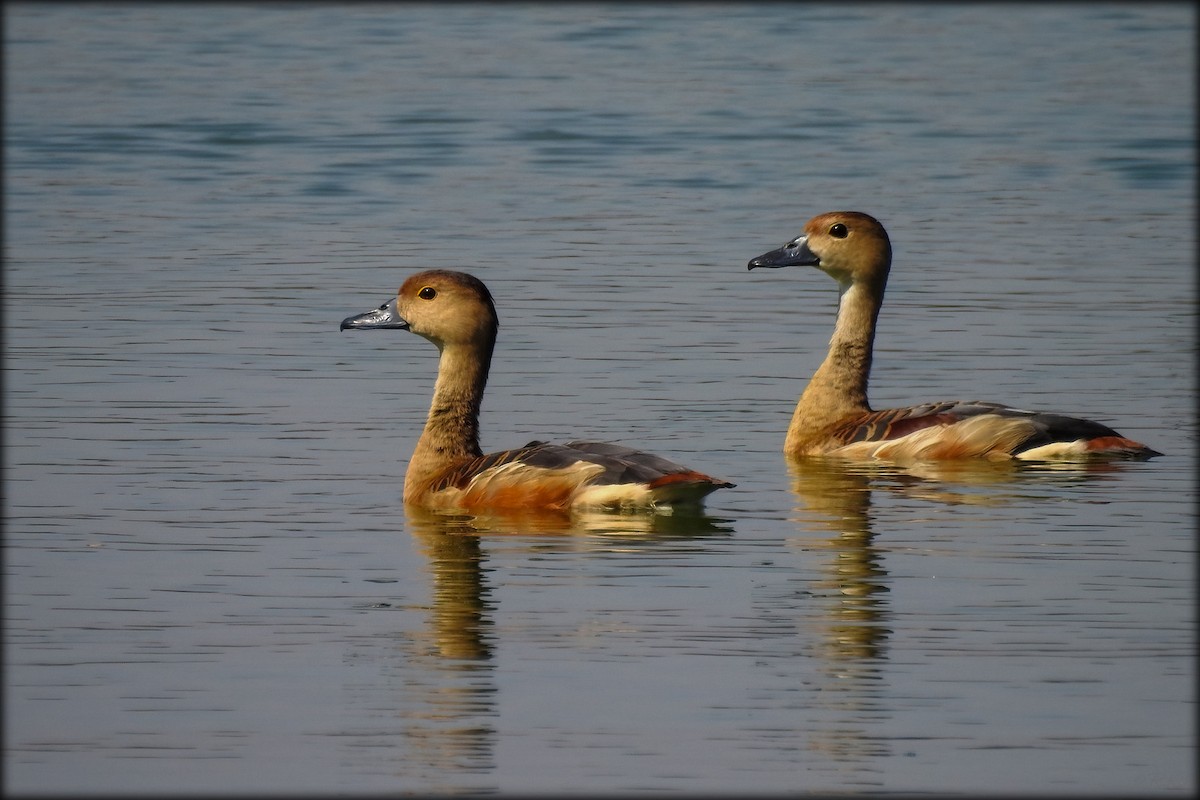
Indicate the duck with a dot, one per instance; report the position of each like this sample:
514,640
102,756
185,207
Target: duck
833,416
448,472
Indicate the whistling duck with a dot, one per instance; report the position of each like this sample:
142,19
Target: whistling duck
448,471
833,415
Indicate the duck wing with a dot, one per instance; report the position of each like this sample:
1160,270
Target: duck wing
971,428
608,474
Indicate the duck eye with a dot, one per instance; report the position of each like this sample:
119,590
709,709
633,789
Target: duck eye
427,293
838,231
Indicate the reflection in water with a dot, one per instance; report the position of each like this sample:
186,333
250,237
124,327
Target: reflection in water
834,512
459,616
968,481
542,522
838,501
449,668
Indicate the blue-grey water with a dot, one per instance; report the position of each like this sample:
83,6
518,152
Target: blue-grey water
211,584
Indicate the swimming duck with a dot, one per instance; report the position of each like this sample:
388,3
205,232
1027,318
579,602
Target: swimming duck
833,415
449,472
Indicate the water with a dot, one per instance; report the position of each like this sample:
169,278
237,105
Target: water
212,585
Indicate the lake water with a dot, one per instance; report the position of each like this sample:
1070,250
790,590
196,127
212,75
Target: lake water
212,585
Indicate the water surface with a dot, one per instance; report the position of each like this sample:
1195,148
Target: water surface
212,585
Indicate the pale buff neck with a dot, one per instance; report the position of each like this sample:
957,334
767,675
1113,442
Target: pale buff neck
838,388
451,432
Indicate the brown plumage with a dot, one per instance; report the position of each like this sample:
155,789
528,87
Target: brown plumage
449,472
833,415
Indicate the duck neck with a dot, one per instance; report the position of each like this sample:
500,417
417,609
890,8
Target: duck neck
451,432
838,389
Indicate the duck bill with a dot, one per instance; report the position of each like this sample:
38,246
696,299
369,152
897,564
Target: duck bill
793,254
384,317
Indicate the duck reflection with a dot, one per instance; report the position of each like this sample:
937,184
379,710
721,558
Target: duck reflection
597,525
835,505
459,619
834,515
450,663
967,481
447,669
